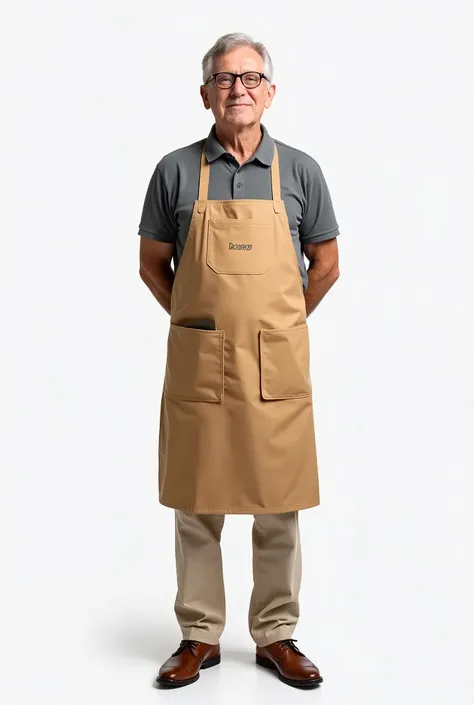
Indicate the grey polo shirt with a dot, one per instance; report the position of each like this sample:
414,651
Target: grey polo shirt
174,185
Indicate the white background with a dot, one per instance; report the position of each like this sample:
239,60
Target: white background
94,94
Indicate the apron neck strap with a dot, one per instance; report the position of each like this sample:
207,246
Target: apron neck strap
276,188
204,175
205,172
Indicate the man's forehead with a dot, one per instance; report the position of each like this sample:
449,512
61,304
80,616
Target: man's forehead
244,58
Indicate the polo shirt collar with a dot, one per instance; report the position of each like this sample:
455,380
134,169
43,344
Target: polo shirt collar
264,152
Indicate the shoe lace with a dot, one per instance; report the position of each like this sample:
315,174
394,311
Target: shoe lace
190,643
290,644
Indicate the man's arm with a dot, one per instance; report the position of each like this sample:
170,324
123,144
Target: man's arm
155,269
323,270
318,233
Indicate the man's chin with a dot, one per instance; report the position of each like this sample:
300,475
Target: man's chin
239,120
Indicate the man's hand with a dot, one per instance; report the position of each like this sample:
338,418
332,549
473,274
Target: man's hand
155,269
323,270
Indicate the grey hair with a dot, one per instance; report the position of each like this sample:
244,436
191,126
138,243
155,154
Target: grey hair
228,42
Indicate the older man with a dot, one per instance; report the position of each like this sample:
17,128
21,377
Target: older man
235,212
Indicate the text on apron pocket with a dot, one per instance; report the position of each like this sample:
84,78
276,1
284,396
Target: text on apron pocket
195,364
285,362
237,246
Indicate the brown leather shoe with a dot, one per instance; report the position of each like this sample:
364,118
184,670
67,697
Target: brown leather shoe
293,667
182,667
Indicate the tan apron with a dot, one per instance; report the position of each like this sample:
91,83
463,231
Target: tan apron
236,417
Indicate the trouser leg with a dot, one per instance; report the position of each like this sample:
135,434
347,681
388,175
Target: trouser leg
200,599
274,606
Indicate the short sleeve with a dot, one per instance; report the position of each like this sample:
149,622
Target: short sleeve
319,221
157,221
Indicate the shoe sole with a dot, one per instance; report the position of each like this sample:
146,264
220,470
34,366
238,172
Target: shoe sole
266,663
178,683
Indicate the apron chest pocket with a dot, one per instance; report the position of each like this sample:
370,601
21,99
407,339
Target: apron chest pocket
285,362
240,246
195,364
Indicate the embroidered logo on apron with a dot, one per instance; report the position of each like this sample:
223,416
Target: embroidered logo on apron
239,246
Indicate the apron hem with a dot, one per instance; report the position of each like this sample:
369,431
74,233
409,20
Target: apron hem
244,510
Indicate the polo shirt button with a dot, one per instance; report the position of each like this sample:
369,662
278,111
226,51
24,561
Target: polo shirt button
239,185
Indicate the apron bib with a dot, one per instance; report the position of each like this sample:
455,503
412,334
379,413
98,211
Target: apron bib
236,417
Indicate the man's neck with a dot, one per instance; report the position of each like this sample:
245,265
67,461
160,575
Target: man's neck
241,143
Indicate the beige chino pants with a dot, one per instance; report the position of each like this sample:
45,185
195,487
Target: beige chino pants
200,605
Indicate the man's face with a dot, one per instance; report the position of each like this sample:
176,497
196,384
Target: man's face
238,106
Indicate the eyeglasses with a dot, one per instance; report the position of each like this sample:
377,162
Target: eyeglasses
225,79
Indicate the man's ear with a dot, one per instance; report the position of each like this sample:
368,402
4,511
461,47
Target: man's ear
205,99
270,95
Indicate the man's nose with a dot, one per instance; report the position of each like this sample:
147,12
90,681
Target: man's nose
238,88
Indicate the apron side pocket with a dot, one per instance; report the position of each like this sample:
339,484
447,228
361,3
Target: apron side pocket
285,362
195,364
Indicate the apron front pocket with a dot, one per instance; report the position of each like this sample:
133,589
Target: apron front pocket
285,362
195,364
240,246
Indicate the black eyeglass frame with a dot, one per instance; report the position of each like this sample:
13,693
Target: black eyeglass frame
236,76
